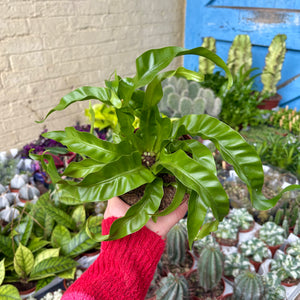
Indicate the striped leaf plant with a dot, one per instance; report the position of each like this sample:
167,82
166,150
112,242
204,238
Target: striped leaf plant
142,156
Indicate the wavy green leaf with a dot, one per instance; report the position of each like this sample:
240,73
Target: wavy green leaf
105,95
69,274
43,282
52,265
24,229
55,135
92,223
36,244
140,213
9,292
206,229
60,238
196,215
6,246
79,216
197,177
2,271
114,179
23,261
53,252
82,168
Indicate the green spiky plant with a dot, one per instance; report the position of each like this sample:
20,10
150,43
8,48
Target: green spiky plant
210,269
173,287
248,286
271,73
181,97
206,66
240,54
141,157
177,241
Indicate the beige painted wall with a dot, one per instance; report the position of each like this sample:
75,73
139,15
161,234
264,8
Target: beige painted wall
50,47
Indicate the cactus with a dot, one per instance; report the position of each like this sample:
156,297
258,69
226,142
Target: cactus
7,200
177,244
173,287
181,97
296,230
240,54
210,267
285,226
279,216
28,192
248,286
17,182
271,73
205,65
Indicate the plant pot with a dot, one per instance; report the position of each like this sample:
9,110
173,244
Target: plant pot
256,264
249,229
290,282
25,290
227,242
273,249
270,102
228,297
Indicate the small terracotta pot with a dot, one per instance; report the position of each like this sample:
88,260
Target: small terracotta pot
256,264
273,249
289,284
249,229
270,102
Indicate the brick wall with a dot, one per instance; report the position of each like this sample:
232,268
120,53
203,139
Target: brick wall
50,47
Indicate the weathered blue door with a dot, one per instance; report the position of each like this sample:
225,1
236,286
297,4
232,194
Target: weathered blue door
261,20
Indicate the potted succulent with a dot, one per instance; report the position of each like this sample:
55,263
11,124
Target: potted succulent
272,235
293,248
141,160
287,268
207,280
249,286
273,288
227,233
208,240
234,264
243,218
256,251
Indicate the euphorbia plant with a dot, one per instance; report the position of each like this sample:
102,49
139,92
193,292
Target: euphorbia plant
143,156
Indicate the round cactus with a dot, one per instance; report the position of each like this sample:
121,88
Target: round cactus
17,182
28,192
210,267
248,286
173,287
177,244
7,200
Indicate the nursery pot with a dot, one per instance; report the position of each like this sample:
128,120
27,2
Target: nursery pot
270,102
290,282
25,289
273,249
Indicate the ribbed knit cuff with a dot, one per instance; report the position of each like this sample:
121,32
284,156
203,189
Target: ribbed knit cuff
124,268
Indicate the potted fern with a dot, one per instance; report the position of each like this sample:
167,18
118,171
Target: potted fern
141,160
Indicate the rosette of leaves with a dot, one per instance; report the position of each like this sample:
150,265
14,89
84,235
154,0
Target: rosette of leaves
141,157
235,263
255,249
271,234
227,229
273,288
7,291
242,217
286,266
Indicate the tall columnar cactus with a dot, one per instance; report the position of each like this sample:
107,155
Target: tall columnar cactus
210,267
248,286
271,73
182,97
205,65
240,54
173,287
177,243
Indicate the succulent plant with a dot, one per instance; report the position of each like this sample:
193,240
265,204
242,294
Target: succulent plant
17,182
240,54
296,230
285,227
2,189
271,234
8,214
7,199
286,266
273,288
227,229
28,192
205,65
182,97
173,287
210,267
242,217
177,241
271,73
207,241
235,263
248,286
255,249
294,249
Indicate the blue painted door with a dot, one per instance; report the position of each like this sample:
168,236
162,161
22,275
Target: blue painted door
261,20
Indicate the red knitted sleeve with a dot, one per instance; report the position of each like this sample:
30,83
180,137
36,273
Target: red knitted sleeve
123,270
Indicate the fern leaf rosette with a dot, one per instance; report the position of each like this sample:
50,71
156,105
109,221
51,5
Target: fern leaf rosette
235,263
255,249
271,234
141,157
286,267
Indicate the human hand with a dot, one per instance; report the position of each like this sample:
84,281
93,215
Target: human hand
118,208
